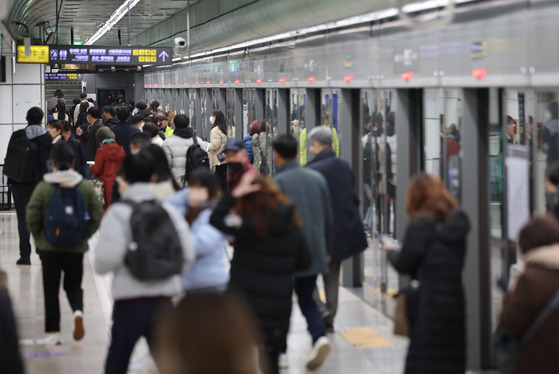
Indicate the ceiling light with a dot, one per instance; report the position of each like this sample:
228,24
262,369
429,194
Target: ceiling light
113,20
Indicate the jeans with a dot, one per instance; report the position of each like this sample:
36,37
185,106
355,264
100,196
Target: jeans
53,264
22,194
132,319
305,288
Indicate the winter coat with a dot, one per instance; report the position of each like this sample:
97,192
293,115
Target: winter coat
37,209
38,135
433,252
157,140
308,191
247,141
81,161
123,131
215,146
115,235
303,145
349,234
211,267
88,139
175,148
107,164
10,359
262,145
262,267
535,288
111,122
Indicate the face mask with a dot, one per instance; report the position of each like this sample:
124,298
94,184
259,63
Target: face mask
235,167
212,120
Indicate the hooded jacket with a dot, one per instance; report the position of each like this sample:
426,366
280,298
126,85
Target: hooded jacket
114,236
107,163
38,135
433,252
37,209
535,288
175,148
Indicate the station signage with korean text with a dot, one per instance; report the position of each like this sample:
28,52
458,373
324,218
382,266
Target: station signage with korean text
63,76
114,55
39,54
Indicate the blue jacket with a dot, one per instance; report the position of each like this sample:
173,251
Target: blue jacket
349,235
211,268
247,141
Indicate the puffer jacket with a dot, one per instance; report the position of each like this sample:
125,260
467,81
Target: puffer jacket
175,148
215,145
114,236
37,209
107,163
247,141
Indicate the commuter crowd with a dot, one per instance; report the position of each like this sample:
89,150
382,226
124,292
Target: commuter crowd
166,205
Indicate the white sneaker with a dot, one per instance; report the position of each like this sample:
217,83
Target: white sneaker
52,338
283,362
320,351
144,363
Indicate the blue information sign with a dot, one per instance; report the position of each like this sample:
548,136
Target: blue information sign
115,55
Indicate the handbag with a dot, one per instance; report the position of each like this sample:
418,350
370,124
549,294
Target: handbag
509,347
407,307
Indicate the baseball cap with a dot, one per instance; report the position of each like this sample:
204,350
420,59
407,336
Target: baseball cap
234,145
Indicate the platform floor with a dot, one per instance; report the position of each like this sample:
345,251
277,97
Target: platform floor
362,343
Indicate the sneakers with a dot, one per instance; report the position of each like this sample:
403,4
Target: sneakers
144,363
23,261
283,362
79,331
52,338
320,351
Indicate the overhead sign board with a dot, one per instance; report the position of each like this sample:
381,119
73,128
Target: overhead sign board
114,55
63,76
39,54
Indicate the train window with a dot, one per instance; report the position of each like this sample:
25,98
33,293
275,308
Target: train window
297,124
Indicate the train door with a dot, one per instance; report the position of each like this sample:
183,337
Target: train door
191,109
230,112
297,120
271,116
329,115
205,112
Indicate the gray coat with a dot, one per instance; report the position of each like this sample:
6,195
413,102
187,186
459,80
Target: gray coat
309,192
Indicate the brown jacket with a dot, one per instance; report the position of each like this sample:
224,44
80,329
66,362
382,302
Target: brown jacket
534,290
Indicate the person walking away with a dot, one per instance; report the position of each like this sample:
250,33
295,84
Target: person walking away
308,191
210,271
83,99
433,254
165,186
236,157
262,149
107,162
88,133
82,114
54,100
349,236
269,248
81,161
137,302
216,145
153,132
61,245
123,130
247,141
60,113
22,189
176,146
539,243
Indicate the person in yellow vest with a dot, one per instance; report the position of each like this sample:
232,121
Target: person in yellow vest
163,123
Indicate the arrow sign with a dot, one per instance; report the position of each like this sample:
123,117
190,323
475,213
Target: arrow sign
163,55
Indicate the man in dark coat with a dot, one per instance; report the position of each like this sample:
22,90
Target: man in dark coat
308,191
22,191
349,236
109,116
123,130
88,131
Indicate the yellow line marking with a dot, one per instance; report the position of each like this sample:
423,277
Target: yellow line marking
364,338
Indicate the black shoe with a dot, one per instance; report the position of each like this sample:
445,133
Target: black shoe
329,328
23,261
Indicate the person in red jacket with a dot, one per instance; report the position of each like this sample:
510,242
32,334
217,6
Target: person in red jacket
108,159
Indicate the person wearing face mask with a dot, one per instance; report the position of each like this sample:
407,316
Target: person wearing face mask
216,145
108,159
236,157
109,116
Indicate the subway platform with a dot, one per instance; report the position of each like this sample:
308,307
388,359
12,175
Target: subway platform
363,341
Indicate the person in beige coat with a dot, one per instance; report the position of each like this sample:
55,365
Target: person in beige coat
218,138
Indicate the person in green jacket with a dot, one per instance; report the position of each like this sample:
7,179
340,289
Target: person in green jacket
57,259
262,146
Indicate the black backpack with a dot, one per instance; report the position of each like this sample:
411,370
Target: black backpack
19,164
155,252
195,157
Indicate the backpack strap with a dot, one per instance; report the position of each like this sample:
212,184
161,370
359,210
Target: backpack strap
544,314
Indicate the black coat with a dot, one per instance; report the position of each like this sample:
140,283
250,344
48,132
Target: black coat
349,234
44,145
262,268
123,131
81,165
433,253
88,139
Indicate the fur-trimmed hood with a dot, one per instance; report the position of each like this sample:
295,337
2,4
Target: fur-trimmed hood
546,257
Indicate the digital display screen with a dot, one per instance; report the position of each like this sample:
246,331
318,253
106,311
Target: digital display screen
114,55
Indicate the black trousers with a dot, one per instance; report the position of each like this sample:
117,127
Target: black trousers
221,174
54,264
22,194
132,319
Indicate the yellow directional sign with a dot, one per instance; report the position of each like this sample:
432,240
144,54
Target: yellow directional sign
39,54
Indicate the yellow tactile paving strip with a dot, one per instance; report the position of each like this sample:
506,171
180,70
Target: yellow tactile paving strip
364,338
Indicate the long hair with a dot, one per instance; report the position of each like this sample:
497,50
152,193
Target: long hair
264,205
220,121
202,177
162,168
207,333
427,195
